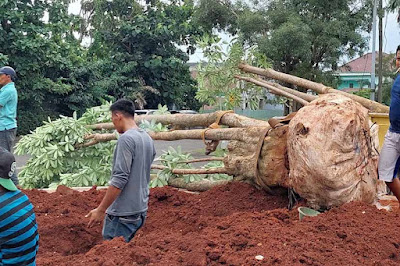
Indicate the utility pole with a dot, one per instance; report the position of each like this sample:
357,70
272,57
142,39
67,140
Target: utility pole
373,52
380,69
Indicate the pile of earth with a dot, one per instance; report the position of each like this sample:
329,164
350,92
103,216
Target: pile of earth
231,224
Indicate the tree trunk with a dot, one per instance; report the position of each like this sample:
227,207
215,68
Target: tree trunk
264,165
240,134
304,96
194,120
208,159
199,186
202,171
317,87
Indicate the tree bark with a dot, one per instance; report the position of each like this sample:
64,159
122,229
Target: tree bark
317,87
240,134
242,152
199,186
193,120
203,171
273,89
97,138
207,159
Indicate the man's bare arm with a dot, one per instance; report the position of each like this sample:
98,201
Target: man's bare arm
97,215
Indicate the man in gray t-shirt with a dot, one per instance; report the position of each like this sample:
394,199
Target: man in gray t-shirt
126,201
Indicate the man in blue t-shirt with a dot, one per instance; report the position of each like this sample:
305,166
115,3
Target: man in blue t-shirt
8,110
390,153
19,238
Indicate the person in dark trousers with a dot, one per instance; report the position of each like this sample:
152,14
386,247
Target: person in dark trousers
19,238
124,207
390,153
8,111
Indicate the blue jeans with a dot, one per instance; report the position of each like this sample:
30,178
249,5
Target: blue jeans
7,141
126,226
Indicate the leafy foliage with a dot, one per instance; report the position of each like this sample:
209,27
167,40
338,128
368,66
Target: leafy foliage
133,53
137,48
173,159
43,53
389,69
301,37
365,93
307,38
216,81
216,177
54,158
153,126
162,110
394,5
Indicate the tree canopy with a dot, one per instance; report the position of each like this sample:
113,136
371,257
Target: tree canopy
133,53
302,37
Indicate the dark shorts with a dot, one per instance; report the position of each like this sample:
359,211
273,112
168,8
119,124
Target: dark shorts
7,141
126,226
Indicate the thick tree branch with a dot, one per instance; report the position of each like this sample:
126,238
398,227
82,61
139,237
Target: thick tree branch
317,87
203,171
193,120
248,135
273,89
198,186
207,159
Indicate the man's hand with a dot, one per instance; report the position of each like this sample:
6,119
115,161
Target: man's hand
95,216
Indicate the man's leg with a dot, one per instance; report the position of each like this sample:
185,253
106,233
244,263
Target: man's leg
395,187
4,140
109,227
129,225
388,157
10,136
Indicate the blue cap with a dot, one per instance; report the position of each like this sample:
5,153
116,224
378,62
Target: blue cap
8,71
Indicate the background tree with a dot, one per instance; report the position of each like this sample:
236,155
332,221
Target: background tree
136,49
44,53
133,52
216,77
394,5
302,37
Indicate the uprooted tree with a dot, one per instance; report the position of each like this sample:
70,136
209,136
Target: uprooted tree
324,152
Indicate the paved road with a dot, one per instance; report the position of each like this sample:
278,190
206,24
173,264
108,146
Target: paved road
195,147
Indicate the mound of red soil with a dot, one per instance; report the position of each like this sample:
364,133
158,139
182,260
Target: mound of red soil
227,225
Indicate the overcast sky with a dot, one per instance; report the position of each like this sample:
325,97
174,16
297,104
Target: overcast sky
391,30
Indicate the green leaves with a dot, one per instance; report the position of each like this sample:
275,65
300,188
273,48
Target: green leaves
176,159
54,158
173,159
162,110
43,53
216,81
152,126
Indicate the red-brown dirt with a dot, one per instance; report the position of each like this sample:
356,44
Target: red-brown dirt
228,225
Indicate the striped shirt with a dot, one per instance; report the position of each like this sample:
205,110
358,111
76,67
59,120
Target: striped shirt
19,238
